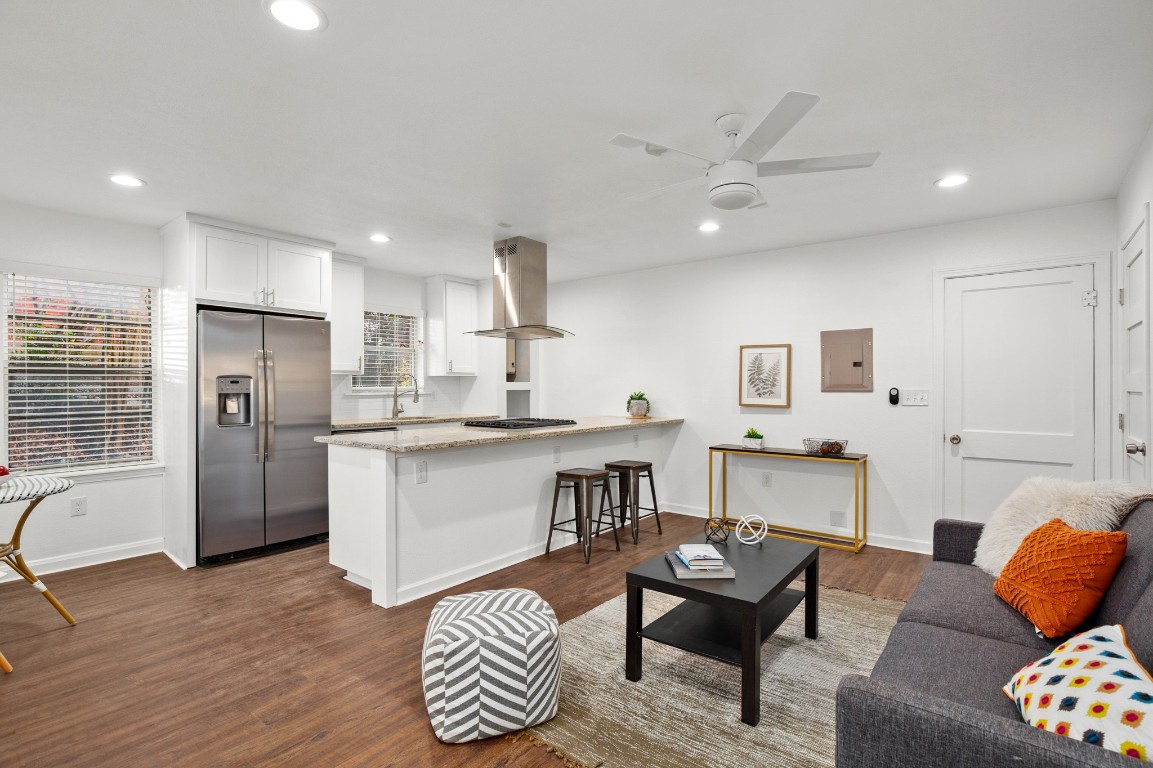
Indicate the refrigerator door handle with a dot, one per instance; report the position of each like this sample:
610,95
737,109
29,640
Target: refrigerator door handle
271,368
261,415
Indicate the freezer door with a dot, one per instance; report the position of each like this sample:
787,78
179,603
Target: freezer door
230,471
299,409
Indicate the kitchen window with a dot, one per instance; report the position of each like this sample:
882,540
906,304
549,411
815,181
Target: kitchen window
392,346
79,374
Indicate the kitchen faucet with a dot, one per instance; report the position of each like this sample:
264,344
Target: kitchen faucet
397,408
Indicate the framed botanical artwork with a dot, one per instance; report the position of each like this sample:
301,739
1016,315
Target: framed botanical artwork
766,373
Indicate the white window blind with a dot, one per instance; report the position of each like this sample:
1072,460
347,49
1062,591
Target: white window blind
79,373
391,351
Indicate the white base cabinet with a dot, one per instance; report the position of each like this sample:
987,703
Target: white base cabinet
347,315
451,315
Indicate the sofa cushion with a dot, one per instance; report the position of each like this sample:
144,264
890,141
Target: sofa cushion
1136,571
1139,629
1090,689
1058,575
952,665
961,597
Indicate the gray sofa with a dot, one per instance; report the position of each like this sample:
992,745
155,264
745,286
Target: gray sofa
934,697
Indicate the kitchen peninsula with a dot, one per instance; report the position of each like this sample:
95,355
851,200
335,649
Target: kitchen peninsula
423,509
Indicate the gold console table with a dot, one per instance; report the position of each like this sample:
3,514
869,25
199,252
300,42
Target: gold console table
860,462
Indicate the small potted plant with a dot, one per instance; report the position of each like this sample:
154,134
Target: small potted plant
638,406
753,439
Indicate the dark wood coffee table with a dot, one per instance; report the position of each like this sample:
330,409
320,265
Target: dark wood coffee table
726,619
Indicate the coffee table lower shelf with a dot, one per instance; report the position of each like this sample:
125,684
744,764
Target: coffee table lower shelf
716,632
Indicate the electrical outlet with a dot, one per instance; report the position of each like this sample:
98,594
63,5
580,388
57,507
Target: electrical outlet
914,397
767,479
556,454
422,471
837,518
78,507
636,441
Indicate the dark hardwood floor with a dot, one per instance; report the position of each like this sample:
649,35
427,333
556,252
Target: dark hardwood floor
279,661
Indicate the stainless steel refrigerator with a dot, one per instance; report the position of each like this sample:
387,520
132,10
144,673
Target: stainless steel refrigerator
264,395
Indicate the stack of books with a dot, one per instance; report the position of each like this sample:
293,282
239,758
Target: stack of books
699,561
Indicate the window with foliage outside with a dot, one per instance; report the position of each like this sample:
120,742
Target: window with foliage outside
392,346
79,374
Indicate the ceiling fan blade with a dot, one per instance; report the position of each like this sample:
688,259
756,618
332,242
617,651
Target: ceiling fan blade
817,164
658,192
773,128
659,150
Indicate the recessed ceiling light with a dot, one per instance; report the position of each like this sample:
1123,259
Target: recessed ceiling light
297,14
379,238
125,180
953,180
709,226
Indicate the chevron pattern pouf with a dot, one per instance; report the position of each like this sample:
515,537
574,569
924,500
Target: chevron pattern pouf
491,664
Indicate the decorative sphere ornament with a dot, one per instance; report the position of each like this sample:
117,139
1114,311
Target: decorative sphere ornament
716,530
751,529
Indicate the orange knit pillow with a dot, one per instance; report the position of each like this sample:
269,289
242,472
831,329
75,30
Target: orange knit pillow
1059,574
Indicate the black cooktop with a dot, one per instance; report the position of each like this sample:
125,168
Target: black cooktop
525,423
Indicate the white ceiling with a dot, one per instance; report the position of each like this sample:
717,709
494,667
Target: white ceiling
433,121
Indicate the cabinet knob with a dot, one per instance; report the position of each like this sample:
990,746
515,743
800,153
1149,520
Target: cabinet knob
262,299
272,298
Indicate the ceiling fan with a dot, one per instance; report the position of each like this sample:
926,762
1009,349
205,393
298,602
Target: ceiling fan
731,181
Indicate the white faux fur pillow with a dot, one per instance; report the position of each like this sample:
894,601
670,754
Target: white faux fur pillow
1092,506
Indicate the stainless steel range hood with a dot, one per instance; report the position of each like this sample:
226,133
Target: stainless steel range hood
519,289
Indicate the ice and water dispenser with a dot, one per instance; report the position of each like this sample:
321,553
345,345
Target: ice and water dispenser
234,401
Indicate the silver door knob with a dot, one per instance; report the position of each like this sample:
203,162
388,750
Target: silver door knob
955,439
1132,448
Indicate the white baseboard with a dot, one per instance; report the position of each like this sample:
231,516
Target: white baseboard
178,561
901,543
410,592
86,558
358,580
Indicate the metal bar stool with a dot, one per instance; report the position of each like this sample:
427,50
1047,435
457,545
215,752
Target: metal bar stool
33,490
582,481
629,474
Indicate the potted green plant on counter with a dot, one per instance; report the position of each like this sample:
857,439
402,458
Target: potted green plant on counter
753,439
638,406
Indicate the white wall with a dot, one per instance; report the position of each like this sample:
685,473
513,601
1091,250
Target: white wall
674,332
124,508
1137,189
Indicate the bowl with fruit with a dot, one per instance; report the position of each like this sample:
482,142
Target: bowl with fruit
825,446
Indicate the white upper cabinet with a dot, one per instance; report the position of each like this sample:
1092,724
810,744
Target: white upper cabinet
242,268
451,311
298,276
347,316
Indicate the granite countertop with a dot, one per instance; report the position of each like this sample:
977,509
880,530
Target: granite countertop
433,438
434,418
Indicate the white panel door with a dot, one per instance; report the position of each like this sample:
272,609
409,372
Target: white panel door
298,276
230,265
1133,350
1018,388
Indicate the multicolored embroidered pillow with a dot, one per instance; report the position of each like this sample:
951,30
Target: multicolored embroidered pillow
1090,688
1058,575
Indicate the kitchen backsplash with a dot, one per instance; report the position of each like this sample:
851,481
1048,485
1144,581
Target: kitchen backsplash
438,395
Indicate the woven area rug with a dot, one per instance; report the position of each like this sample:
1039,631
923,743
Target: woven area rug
685,710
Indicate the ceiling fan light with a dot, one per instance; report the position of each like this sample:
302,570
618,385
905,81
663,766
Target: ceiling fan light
733,197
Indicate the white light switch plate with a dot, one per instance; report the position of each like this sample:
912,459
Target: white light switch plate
914,397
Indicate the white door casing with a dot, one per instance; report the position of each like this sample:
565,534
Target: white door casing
1018,383
1133,354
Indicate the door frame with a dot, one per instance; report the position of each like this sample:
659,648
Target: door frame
1118,320
1103,282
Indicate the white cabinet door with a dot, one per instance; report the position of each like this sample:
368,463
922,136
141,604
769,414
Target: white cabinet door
231,266
459,319
451,312
298,276
347,317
